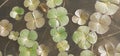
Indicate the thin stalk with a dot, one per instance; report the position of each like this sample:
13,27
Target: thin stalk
4,3
6,48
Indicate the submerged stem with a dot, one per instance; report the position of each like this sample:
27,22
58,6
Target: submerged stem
109,35
6,48
4,3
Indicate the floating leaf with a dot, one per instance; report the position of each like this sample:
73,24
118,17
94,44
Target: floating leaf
84,38
31,4
34,20
42,50
9,55
87,53
106,50
99,23
109,8
13,35
58,34
54,3
27,38
16,13
58,17
5,27
80,17
63,45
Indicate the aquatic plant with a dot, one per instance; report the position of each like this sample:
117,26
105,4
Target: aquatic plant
63,45
58,34
99,23
13,35
5,27
63,53
34,20
27,38
84,38
80,17
16,13
57,17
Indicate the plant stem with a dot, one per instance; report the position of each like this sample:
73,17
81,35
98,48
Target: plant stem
109,35
6,48
4,3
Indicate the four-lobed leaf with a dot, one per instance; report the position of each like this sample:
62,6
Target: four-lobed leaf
80,17
99,23
58,17
34,20
5,27
84,38
14,35
58,34
16,13
63,45
27,38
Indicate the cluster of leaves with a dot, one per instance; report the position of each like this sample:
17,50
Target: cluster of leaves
84,38
42,50
28,45
54,3
34,20
64,54
16,13
57,17
5,27
31,4
80,17
59,35
57,20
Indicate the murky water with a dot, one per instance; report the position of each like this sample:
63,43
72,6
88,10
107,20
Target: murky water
44,35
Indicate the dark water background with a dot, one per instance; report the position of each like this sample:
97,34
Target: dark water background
44,35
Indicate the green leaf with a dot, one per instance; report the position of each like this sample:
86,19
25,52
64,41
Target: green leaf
76,36
61,11
13,35
52,13
84,29
33,35
63,20
58,2
24,33
58,34
92,38
63,45
53,23
87,53
84,44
